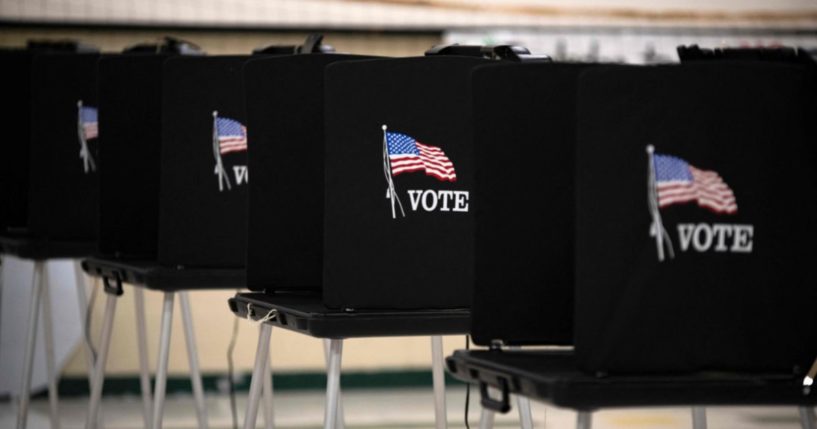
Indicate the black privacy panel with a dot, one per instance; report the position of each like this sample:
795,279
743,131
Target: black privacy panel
285,121
695,225
204,177
130,123
399,225
524,137
64,174
16,90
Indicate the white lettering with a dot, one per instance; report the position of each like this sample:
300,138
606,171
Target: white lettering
721,231
414,195
429,206
743,238
460,201
442,200
702,237
241,174
696,238
445,197
685,234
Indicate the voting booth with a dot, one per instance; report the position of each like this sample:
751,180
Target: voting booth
399,176
725,151
47,185
678,169
308,186
17,112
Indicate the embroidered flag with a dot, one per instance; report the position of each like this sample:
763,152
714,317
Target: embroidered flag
232,136
408,155
677,182
90,125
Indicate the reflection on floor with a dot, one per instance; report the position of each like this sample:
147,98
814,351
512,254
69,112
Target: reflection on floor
398,408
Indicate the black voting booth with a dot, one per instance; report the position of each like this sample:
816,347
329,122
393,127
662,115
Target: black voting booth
305,134
714,323
17,116
165,222
174,206
53,136
48,187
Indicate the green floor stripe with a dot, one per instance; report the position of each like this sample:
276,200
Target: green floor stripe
126,385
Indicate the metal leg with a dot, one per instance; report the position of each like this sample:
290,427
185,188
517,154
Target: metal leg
584,420
525,415
82,297
486,419
807,418
438,378
1,291
164,352
698,418
261,367
31,341
193,358
523,405
92,418
341,419
142,349
269,411
333,384
50,363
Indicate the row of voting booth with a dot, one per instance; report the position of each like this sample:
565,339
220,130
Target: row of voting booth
653,222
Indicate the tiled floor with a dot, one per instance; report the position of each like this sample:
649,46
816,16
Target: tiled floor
404,408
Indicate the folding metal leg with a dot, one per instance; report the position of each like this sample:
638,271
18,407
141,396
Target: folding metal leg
525,415
261,367
1,292
269,411
164,352
523,405
193,358
584,420
50,361
142,349
82,297
486,419
333,384
807,418
698,417
31,341
340,422
438,378
98,380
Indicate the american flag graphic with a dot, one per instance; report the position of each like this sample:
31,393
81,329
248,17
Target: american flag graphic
90,125
677,182
232,136
407,155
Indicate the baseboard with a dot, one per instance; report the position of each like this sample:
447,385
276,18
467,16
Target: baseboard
129,384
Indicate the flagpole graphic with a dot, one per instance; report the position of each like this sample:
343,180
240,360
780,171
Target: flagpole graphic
391,194
657,228
84,153
219,171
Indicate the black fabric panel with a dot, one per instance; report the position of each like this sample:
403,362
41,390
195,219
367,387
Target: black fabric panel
130,123
16,113
199,225
422,260
284,99
701,310
63,198
524,137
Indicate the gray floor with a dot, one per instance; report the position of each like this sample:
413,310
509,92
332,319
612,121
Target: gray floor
403,408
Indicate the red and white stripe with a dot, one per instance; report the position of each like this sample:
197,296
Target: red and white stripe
90,130
707,189
432,160
227,144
